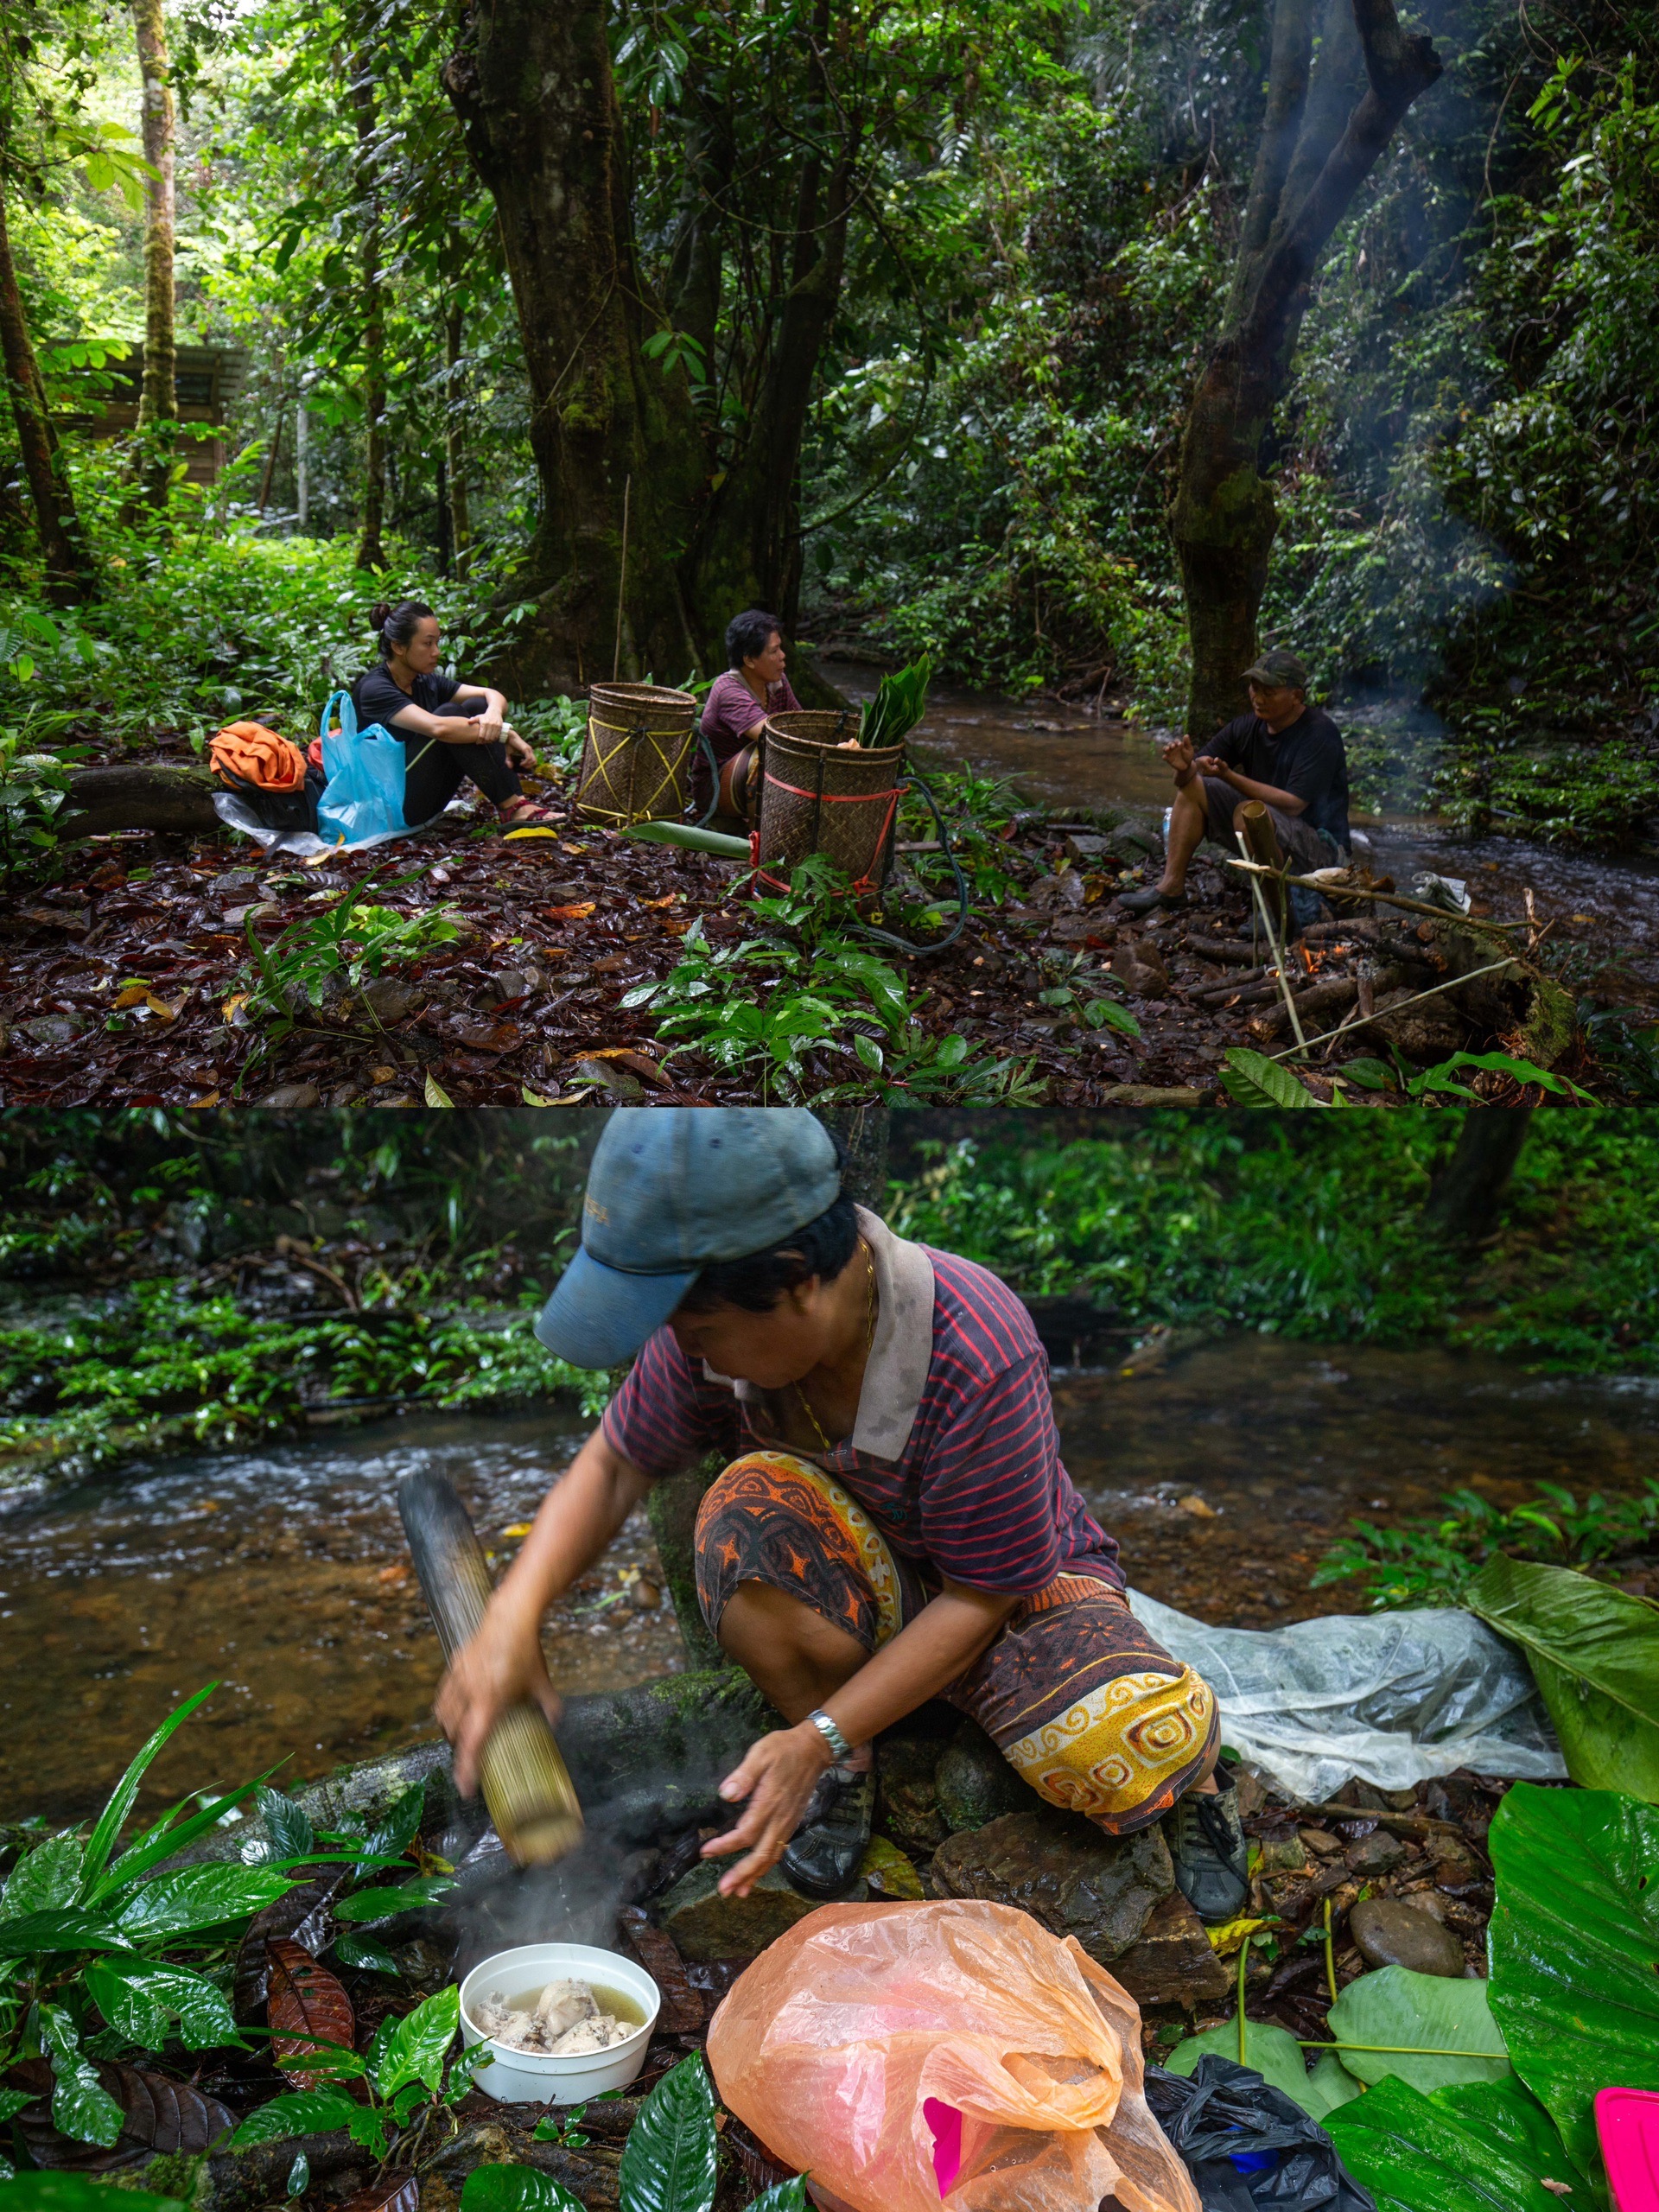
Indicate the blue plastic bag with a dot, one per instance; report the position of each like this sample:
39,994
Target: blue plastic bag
364,795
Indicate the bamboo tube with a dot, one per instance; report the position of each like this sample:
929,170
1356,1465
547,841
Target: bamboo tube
526,1788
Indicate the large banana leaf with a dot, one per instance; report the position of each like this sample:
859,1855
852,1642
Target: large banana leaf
1575,1943
1485,2147
1277,2058
1411,2015
1595,1654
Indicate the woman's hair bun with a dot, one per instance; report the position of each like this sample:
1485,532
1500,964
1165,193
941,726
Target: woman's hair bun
379,614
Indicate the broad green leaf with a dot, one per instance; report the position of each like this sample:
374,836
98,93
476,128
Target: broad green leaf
783,2196
12,2102
1251,1079
199,1896
299,2112
286,1825
1420,2011
1102,1013
1595,1654
112,1819
36,1933
386,1902
667,2161
163,1840
1419,2154
137,1995
412,2048
46,1880
77,2193
1575,1943
362,1951
1373,1074
515,2189
400,1826
1277,2058
81,2106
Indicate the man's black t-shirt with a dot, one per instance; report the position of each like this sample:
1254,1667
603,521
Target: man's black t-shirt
1307,759
378,698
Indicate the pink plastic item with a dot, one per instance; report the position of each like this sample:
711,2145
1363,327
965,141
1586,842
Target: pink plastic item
1629,2123
946,2124
952,2054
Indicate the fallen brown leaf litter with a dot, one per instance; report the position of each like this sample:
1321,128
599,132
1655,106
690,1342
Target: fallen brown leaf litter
126,982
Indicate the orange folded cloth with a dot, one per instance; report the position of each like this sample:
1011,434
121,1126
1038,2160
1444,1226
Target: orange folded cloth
254,754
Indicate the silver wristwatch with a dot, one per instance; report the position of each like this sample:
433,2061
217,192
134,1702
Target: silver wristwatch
826,1727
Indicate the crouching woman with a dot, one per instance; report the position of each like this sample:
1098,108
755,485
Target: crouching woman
894,1522
449,732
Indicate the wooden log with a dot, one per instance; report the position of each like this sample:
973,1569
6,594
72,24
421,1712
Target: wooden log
1320,998
147,795
1229,951
1262,839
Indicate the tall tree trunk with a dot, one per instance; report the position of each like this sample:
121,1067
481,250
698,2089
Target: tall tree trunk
1466,1196
68,568
371,548
158,398
455,444
532,82
1318,144
748,547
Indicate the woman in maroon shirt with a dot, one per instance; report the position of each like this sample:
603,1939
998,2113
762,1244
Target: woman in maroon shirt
893,1521
753,687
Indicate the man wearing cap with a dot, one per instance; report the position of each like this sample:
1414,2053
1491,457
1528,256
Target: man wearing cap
1286,753
894,1522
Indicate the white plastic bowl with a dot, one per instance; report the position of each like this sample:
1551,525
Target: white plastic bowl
532,2077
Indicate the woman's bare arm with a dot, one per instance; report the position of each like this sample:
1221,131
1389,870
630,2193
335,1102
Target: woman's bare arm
503,1662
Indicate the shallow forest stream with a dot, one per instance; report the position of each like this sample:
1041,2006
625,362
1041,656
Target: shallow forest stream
283,1572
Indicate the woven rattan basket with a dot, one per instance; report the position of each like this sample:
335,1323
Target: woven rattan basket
636,763
817,795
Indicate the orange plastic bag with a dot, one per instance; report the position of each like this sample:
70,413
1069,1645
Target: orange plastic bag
906,2056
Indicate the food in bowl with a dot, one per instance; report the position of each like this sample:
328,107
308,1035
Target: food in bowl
567,2019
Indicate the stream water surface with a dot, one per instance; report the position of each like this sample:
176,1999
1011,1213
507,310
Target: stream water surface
282,1573
1061,758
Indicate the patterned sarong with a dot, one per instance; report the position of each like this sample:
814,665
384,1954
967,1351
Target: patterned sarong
1079,1698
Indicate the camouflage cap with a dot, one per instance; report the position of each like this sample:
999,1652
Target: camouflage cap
1277,670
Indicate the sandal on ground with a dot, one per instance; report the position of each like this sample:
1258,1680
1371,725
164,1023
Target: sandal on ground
1143,901
1207,1844
526,815
823,1856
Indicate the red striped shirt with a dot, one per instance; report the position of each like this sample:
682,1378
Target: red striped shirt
979,1492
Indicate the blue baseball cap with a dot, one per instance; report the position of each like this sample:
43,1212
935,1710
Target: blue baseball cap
670,1190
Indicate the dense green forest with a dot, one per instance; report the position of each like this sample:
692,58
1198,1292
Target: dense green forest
890,317
167,1279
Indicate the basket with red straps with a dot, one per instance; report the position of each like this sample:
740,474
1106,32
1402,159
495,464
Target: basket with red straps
820,795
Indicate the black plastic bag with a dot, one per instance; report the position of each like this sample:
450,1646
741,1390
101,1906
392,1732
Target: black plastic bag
1226,2111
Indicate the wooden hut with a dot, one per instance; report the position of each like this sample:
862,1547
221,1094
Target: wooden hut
208,379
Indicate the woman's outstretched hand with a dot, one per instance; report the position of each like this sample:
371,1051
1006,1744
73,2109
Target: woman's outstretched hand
501,1666
778,1777
520,751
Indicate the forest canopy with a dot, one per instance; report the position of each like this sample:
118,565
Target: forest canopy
889,317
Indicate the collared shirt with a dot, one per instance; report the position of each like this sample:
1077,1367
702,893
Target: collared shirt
954,1452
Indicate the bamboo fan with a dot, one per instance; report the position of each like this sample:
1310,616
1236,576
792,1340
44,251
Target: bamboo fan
526,1788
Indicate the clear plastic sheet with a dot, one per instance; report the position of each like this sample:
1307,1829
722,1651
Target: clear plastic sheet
298,844
910,2056
1391,1698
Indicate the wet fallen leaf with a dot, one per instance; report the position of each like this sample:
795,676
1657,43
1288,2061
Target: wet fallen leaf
212,1099
308,2010
487,1036
675,928
513,836
435,1093
672,899
387,2196
1225,1939
535,1098
518,1529
166,1009
578,914
626,1057
383,1075
157,2114
129,995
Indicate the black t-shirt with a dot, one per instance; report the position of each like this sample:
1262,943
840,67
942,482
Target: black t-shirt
1307,759
378,698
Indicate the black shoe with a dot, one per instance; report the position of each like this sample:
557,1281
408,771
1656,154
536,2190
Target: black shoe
1212,1860
823,1853
1143,901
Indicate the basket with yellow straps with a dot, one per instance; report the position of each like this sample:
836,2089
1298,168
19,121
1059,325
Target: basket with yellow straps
635,763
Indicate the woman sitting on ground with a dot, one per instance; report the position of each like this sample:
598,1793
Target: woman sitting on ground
753,687
447,736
